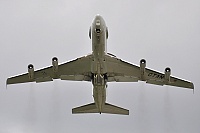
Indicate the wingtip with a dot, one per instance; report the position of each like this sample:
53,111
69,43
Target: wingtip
8,81
6,84
192,86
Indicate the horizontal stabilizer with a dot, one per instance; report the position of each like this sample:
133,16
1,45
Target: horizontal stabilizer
112,109
107,108
89,108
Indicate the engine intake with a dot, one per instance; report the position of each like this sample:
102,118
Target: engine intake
167,74
142,68
31,71
55,64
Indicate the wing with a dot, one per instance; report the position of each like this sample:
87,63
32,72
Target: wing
77,70
121,71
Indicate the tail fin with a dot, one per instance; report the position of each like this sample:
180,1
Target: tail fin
107,108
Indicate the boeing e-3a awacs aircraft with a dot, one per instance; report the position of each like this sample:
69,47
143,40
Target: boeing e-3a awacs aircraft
99,68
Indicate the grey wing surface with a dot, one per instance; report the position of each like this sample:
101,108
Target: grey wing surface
121,71
77,70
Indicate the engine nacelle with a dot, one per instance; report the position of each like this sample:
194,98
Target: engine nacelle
167,74
142,68
30,71
55,64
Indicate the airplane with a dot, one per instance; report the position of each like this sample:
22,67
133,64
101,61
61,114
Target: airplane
99,68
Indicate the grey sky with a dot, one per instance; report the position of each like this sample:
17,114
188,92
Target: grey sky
166,33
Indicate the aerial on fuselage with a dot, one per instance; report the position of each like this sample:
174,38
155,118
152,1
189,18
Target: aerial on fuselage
100,68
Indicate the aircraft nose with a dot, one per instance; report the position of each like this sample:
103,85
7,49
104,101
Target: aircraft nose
97,23
97,19
97,16
98,26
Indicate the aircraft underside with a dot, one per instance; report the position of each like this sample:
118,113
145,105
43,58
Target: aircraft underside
100,68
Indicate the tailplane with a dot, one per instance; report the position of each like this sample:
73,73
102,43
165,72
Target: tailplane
107,108
112,109
89,108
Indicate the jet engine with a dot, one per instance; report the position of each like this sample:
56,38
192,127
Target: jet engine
167,74
55,64
142,68
30,71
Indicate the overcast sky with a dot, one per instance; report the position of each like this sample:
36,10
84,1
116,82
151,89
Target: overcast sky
164,32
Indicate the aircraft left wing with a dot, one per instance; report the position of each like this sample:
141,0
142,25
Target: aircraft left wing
121,71
77,70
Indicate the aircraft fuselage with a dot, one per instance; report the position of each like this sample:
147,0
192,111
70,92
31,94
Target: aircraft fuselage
98,34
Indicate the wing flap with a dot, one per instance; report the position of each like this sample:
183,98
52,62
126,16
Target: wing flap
75,77
123,79
155,82
43,79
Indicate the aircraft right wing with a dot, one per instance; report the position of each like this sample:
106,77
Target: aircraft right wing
121,71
